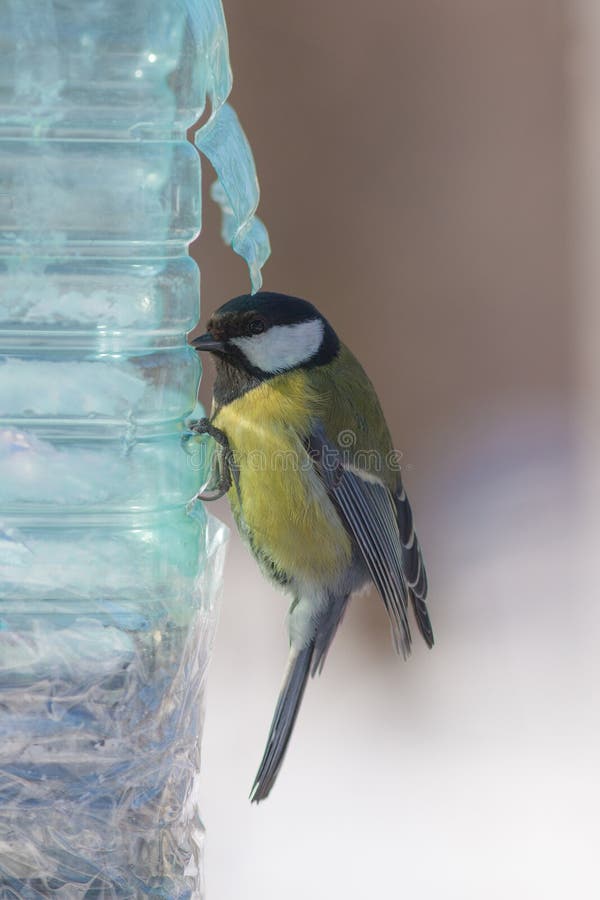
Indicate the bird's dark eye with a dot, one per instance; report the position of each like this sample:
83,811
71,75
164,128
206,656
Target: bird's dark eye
256,326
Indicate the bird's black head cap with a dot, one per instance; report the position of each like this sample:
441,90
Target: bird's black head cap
257,336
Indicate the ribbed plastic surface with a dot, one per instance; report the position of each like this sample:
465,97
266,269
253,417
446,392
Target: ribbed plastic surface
107,582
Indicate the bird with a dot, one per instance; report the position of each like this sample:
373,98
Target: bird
314,484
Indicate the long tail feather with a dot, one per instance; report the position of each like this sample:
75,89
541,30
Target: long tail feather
282,725
327,626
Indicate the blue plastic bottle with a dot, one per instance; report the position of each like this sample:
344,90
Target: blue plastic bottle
107,583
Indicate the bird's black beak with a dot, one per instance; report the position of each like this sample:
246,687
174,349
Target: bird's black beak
207,342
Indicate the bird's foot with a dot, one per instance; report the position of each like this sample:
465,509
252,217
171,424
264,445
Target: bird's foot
224,482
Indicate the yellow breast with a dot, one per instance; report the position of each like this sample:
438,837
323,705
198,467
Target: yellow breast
284,507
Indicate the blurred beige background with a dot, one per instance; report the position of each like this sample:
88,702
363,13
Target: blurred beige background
427,176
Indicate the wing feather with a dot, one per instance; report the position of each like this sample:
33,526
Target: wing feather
360,508
413,566
381,524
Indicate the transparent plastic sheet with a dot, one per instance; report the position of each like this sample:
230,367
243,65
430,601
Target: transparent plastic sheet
100,721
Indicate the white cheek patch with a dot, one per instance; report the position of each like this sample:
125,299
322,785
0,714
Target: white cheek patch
282,346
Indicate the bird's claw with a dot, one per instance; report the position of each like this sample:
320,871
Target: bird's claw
215,493
204,426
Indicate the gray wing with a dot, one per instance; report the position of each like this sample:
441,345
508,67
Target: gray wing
381,525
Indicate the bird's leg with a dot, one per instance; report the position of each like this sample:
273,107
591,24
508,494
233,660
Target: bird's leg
204,426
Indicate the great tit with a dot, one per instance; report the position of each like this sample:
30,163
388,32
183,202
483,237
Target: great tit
313,481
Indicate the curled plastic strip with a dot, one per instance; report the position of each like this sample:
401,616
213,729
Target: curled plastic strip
207,23
224,143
